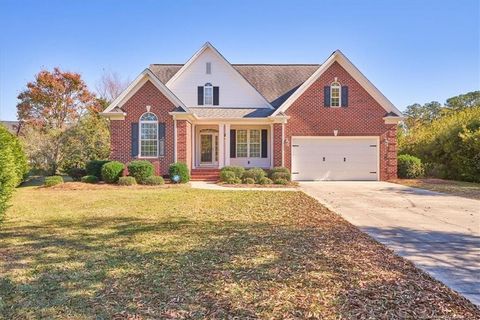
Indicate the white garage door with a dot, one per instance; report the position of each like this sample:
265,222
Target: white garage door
335,158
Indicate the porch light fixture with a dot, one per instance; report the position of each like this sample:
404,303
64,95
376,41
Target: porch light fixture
286,142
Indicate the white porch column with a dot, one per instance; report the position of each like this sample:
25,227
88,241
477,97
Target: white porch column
221,145
227,144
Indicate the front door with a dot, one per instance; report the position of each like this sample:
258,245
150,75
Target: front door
208,148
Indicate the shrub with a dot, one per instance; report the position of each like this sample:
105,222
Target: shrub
265,180
238,171
8,173
140,170
127,181
53,181
89,179
181,170
248,181
112,171
409,167
77,173
21,162
281,181
254,173
226,175
154,181
281,175
234,180
94,168
278,169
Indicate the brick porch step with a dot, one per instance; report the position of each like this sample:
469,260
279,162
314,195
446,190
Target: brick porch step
205,174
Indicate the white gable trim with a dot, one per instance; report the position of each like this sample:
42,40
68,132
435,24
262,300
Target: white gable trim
136,85
339,57
190,61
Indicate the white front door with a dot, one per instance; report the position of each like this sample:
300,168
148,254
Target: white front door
335,158
208,148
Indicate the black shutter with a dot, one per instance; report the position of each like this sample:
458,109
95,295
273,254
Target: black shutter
161,139
326,96
344,96
264,144
134,141
200,96
233,143
216,98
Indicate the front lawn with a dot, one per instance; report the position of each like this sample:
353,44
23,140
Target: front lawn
175,253
457,188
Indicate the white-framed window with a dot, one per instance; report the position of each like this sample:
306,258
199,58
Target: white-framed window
335,96
148,135
255,144
208,68
242,143
208,94
249,143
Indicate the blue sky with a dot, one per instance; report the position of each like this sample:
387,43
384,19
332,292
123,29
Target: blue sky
413,51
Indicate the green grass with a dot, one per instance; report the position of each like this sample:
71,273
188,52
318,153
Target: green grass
184,253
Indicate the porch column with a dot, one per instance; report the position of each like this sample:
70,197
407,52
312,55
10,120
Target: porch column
193,150
221,145
226,140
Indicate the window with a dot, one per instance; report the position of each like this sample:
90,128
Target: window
208,94
208,68
149,135
335,89
249,143
242,143
255,141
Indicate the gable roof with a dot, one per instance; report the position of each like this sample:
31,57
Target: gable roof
147,74
338,56
275,82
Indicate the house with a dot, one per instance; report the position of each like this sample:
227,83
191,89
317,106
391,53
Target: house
323,121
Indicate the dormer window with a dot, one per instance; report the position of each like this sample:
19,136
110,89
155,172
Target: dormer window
335,96
208,67
208,94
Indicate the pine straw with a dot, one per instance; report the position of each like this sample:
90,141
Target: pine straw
198,254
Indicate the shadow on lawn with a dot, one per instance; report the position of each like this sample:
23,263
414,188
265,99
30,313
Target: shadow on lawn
116,267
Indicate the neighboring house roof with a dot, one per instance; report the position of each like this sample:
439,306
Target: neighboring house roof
12,126
275,82
230,113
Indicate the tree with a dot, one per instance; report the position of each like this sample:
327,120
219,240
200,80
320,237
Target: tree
417,114
468,100
110,86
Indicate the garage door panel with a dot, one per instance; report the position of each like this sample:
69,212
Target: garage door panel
334,158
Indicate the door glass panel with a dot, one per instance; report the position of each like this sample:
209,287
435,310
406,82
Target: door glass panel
206,148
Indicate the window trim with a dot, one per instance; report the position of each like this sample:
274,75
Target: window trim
248,143
209,85
335,84
140,122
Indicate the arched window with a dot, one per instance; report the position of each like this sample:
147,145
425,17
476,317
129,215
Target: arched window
208,94
149,135
335,96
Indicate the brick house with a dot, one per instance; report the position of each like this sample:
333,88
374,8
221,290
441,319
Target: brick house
324,122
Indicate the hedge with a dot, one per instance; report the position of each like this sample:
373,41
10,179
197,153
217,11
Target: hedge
127,181
181,170
409,167
94,168
112,171
89,179
53,181
140,170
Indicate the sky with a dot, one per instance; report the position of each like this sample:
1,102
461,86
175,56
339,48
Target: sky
413,51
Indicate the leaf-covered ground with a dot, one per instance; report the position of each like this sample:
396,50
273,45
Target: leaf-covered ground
175,253
458,188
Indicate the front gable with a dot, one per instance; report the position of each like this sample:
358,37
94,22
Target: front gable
234,90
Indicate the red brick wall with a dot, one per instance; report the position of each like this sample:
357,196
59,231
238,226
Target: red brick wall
120,130
277,144
184,134
362,117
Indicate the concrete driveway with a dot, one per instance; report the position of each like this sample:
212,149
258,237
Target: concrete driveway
440,233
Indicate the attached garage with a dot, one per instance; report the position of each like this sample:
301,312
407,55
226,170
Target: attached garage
335,158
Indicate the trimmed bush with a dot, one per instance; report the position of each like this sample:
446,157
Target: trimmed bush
8,173
140,170
278,169
238,171
234,181
225,175
248,181
77,173
254,173
281,181
94,168
179,169
53,181
112,171
127,181
281,175
409,167
154,181
89,179
265,180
